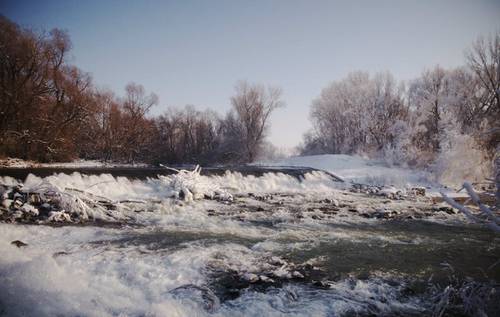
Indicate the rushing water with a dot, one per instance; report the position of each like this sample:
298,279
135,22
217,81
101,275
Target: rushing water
184,261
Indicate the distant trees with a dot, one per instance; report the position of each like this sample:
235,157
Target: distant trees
357,114
51,111
187,136
249,120
436,119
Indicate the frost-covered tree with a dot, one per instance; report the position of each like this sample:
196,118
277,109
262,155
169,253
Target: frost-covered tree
357,113
387,111
337,113
428,98
427,125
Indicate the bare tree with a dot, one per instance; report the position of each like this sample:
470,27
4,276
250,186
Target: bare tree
253,105
484,61
187,136
136,128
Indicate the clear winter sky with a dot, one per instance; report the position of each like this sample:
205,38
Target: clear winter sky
193,52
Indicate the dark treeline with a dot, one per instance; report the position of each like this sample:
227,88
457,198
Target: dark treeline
51,111
441,118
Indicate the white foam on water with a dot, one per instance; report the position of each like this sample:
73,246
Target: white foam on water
103,279
92,280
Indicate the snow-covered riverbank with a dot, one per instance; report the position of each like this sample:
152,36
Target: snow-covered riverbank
353,168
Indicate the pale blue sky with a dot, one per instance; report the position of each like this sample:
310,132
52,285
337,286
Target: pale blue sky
193,52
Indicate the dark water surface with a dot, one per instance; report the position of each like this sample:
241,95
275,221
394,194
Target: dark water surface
145,172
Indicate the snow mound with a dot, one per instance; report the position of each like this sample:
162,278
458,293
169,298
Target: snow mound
353,168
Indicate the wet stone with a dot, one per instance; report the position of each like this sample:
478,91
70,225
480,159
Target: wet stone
6,203
205,297
448,210
418,191
60,253
19,243
34,199
321,284
17,203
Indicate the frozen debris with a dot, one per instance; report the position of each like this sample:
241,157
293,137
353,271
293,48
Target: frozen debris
29,209
54,199
391,192
266,279
191,185
48,202
283,272
59,216
486,215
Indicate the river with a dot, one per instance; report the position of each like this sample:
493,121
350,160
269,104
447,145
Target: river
278,248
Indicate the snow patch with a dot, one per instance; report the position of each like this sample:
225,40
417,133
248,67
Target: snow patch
353,168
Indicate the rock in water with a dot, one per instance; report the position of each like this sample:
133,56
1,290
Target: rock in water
6,203
29,209
199,294
250,277
19,243
418,191
34,199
